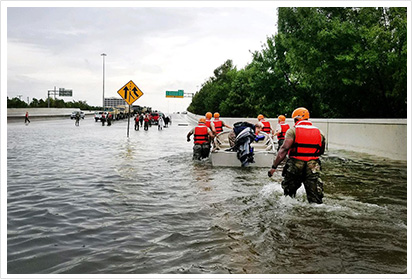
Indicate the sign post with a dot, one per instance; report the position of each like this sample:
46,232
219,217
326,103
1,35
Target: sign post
130,93
128,122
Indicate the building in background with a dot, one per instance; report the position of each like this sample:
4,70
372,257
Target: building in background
114,102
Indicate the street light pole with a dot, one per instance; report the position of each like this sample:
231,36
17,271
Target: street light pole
104,55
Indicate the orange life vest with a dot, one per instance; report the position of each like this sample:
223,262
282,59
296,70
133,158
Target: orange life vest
218,125
283,129
208,123
266,126
201,135
308,142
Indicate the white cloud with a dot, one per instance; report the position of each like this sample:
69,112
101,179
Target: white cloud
158,48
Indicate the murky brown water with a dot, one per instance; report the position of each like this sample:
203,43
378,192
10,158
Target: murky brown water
88,200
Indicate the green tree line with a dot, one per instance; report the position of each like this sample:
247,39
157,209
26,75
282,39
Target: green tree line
54,103
336,62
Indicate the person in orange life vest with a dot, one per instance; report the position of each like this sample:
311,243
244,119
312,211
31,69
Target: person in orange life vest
146,122
136,122
202,137
219,124
109,119
209,122
103,119
303,144
281,129
266,125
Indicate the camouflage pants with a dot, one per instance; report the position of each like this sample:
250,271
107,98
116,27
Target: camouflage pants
201,151
297,172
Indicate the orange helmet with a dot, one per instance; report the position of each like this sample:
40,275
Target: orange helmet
208,115
202,120
216,115
260,117
281,118
300,114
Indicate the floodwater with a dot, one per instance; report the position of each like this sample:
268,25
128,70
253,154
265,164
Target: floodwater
90,200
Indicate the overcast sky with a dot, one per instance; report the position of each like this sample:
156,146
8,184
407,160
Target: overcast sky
159,48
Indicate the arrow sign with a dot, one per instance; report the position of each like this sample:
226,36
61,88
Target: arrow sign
135,92
125,93
130,92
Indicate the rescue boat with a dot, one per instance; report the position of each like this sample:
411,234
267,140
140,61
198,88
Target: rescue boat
223,155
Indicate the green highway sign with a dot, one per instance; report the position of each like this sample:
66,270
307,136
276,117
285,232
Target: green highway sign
65,92
175,94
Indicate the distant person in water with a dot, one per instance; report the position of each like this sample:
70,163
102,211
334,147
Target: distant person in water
103,119
109,119
77,117
146,122
160,123
26,118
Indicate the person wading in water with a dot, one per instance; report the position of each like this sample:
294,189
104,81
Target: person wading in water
304,143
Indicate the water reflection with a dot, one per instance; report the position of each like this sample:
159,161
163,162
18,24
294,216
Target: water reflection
202,175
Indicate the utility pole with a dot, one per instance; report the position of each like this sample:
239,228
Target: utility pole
103,55
54,91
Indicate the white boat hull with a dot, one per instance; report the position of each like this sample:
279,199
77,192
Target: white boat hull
229,159
264,152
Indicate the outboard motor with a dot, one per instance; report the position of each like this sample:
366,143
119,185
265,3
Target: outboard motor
242,145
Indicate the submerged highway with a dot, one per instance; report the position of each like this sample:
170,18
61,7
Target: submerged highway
90,200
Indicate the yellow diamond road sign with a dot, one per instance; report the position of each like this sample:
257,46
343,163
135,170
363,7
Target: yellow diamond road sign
130,92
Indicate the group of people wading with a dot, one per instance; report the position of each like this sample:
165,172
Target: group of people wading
107,118
145,120
302,144
204,133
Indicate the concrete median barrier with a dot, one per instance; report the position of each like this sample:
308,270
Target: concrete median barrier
18,114
381,137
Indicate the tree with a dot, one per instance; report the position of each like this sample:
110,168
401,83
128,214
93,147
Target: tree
239,101
34,103
342,58
215,90
16,103
336,62
54,103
